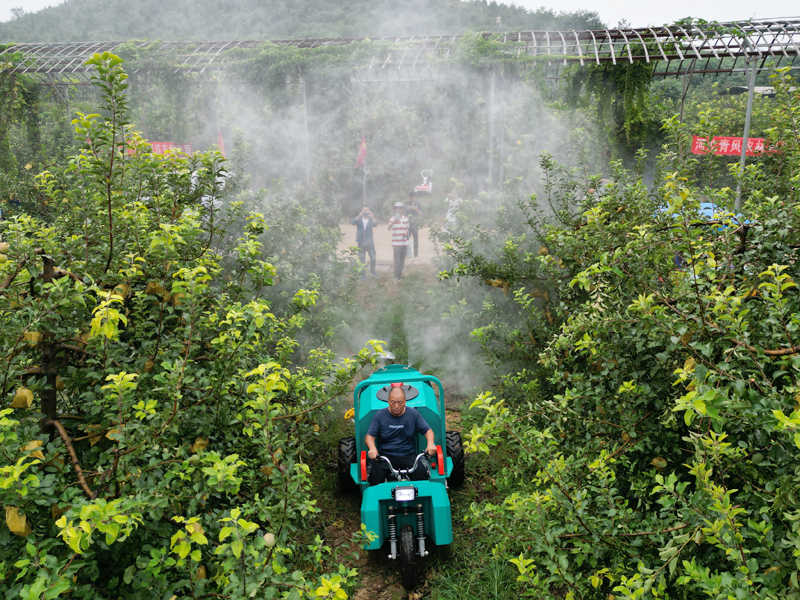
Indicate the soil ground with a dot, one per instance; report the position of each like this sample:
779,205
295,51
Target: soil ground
383,247
379,577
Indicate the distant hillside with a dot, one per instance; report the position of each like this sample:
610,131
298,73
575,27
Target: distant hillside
98,20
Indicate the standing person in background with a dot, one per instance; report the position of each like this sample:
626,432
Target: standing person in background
450,218
414,213
364,223
398,225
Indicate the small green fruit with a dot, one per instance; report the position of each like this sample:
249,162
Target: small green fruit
269,539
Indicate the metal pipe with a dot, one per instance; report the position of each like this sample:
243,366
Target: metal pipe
363,137
491,126
687,79
308,139
501,145
745,138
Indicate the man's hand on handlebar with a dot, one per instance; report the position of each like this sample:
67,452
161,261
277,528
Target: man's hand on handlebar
431,449
373,454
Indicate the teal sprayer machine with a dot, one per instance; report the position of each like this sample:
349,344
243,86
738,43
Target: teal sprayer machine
403,514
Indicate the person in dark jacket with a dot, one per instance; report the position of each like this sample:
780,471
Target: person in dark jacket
365,222
414,214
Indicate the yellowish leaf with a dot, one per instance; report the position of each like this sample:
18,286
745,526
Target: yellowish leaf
95,432
57,512
32,337
18,524
23,398
199,444
659,462
33,445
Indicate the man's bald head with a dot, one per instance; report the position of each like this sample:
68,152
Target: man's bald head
397,401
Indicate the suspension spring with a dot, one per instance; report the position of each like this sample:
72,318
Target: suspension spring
393,528
421,532
392,533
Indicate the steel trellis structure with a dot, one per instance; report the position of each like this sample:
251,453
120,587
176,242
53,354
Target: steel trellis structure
708,49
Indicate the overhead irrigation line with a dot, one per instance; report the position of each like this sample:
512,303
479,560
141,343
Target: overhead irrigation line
712,48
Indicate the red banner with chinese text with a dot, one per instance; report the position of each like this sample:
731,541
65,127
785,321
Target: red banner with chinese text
728,146
162,147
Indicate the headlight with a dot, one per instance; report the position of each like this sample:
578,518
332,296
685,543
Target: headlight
405,494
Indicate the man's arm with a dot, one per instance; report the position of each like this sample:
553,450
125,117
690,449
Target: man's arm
431,449
373,451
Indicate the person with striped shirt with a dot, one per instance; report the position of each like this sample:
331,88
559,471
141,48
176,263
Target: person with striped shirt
398,225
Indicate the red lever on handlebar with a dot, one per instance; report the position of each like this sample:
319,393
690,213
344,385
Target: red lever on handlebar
440,459
363,465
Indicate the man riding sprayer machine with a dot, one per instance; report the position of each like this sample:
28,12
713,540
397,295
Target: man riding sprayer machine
403,460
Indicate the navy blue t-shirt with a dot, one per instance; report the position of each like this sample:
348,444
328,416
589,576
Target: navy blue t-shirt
394,436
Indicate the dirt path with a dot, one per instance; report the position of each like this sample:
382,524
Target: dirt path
378,576
383,246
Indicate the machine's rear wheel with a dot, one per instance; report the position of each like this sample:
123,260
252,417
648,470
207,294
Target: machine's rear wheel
455,450
345,458
408,558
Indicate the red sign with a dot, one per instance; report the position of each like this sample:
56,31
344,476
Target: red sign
162,147
728,146
362,152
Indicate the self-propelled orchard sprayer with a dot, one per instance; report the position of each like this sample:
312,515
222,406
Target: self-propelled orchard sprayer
404,516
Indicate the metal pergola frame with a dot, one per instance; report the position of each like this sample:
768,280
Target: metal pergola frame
413,58
704,49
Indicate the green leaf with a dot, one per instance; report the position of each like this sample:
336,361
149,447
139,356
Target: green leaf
127,577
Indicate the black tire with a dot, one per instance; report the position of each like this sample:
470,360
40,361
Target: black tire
345,458
408,558
455,450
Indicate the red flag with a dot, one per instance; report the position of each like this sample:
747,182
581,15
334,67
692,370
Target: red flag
219,142
362,152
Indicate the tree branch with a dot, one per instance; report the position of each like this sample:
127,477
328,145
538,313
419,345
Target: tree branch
74,457
778,352
10,278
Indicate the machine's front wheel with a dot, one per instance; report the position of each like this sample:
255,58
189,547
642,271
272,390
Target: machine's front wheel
409,562
345,458
455,450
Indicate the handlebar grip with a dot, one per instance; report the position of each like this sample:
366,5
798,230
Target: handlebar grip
363,465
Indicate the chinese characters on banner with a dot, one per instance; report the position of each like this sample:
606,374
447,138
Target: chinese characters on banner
162,147
728,146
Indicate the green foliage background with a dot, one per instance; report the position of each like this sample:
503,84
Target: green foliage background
165,450
81,20
644,418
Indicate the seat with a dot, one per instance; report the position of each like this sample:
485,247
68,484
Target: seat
410,391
